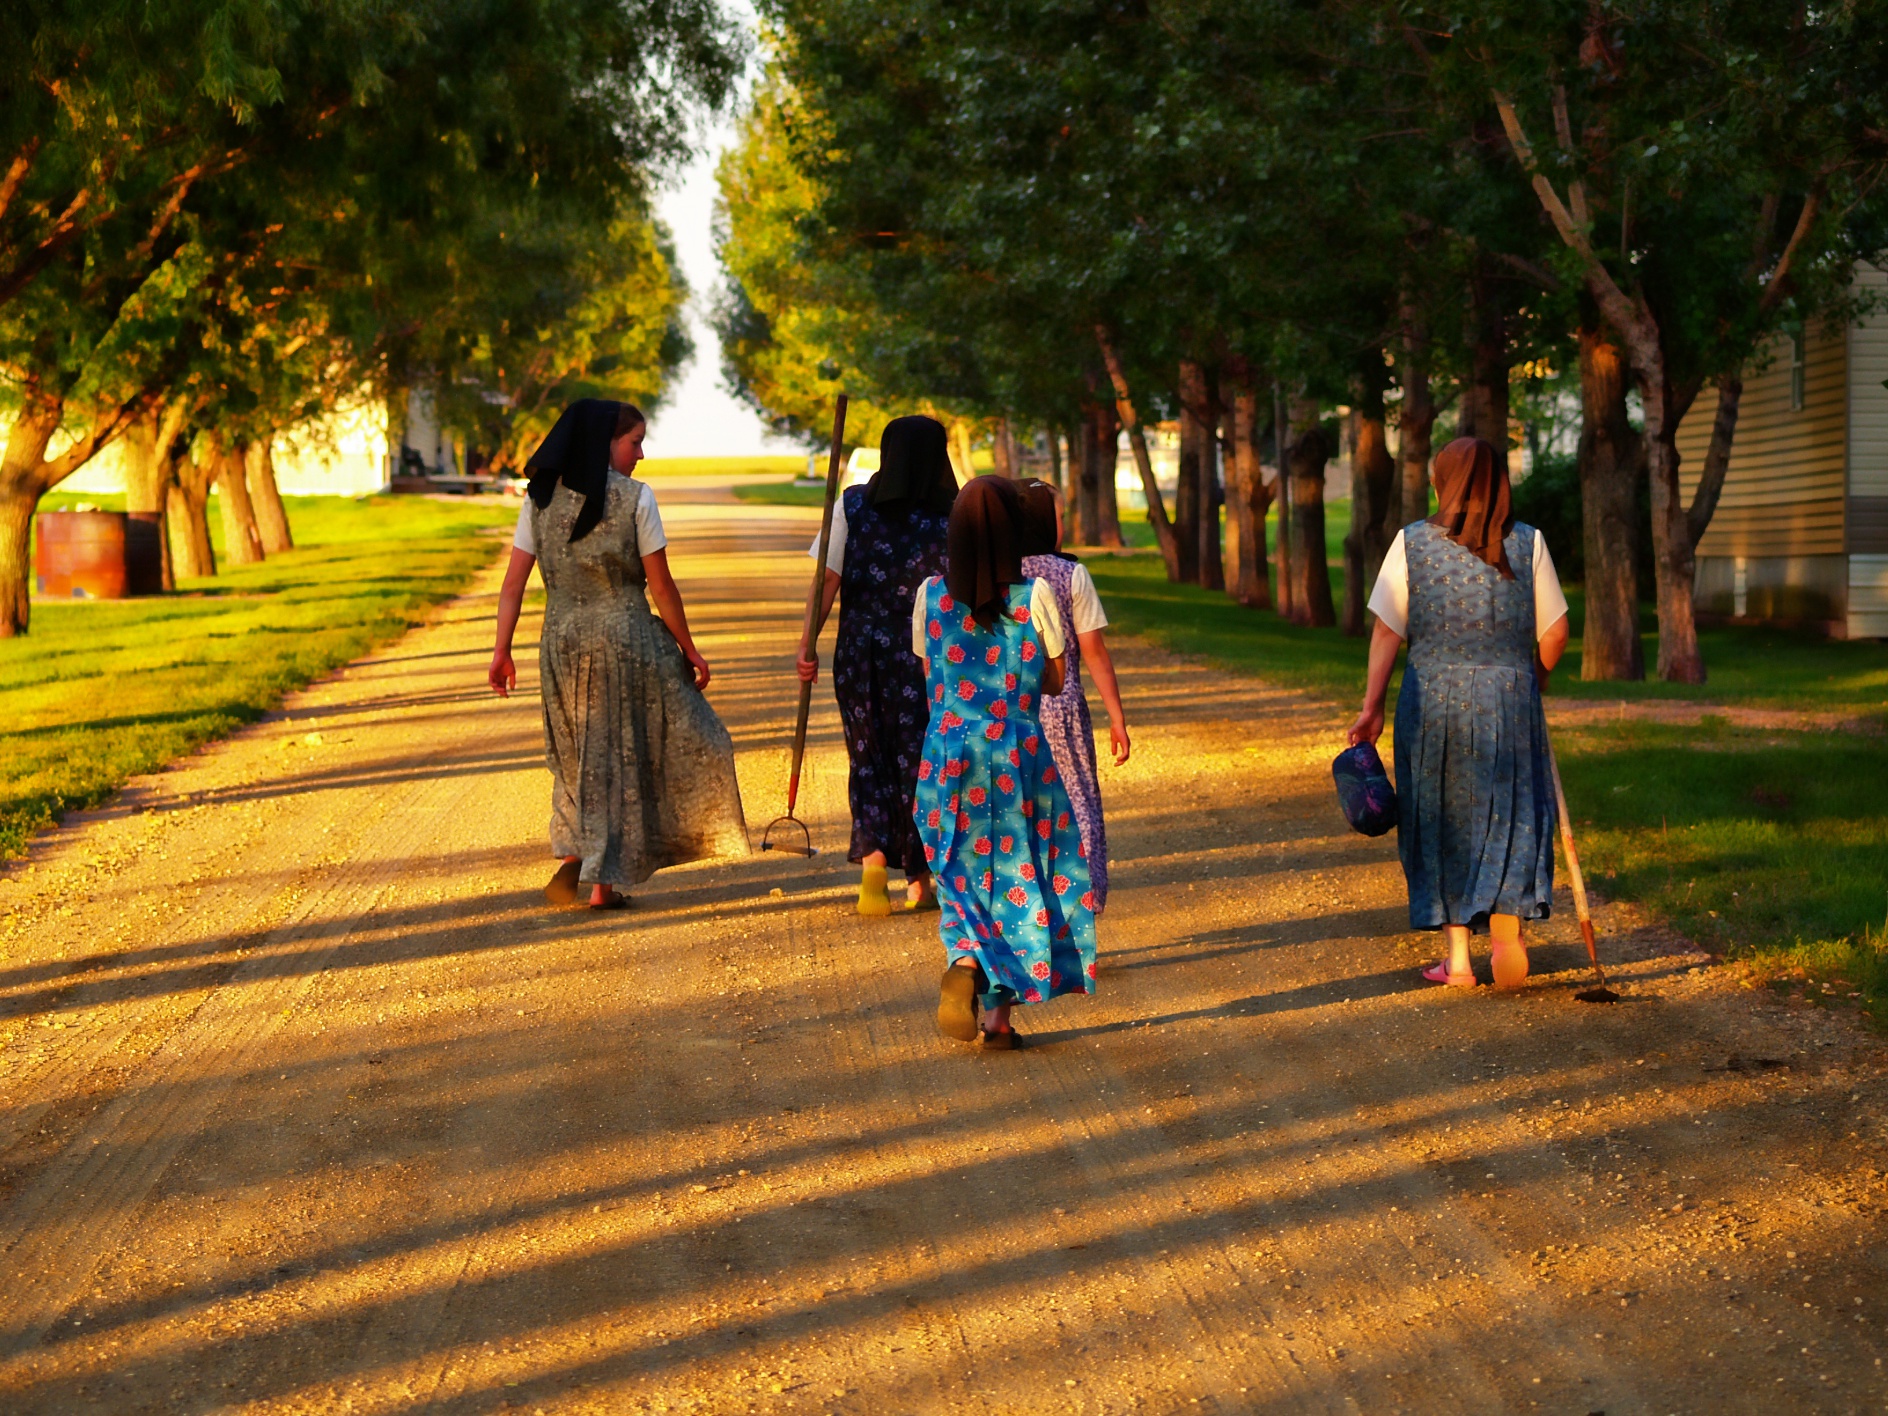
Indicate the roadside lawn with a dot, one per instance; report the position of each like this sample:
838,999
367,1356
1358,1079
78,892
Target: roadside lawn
1769,845
102,690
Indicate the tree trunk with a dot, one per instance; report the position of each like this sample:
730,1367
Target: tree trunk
1107,454
1212,492
23,482
1415,422
271,514
1085,496
1611,459
1311,597
1002,450
1674,556
1287,581
242,538
185,510
1186,501
19,499
1075,531
1375,500
1246,500
1484,411
1124,406
959,445
1055,457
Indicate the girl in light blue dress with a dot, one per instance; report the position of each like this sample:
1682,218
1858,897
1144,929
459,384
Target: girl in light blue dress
1018,906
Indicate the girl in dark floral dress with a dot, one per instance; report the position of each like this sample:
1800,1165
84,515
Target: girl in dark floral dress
999,833
887,537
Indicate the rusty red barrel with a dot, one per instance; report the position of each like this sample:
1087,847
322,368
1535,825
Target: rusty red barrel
81,555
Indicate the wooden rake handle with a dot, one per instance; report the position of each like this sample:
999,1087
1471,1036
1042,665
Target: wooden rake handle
813,596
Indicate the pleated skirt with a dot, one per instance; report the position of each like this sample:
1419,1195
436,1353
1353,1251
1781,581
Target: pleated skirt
1475,795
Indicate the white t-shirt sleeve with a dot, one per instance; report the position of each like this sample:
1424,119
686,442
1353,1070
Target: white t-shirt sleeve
1389,599
918,644
650,537
835,548
1047,618
1089,615
525,538
1550,601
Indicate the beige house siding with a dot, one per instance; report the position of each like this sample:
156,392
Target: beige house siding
1785,492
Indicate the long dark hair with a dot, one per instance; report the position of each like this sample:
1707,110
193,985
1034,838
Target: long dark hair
983,561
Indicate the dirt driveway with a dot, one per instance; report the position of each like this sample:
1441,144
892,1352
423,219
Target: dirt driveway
308,1103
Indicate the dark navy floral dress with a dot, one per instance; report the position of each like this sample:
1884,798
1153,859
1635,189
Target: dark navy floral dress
1012,878
1474,791
878,681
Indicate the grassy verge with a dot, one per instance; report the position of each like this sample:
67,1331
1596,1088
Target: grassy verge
781,494
1769,846
100,691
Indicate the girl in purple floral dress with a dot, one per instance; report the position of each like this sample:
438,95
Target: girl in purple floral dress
1066,724
999,833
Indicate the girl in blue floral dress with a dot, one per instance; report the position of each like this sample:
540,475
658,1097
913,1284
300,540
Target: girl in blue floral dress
999,833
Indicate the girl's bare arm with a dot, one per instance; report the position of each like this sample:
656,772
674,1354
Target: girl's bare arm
503,674
1385,644
1101,669
668,603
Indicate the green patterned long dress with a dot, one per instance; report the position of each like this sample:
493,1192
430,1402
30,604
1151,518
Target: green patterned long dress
641,765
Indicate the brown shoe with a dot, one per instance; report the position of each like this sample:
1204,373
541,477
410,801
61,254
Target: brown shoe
957,1004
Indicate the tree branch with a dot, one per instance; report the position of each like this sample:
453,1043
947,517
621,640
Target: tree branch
1773,292
1717,460
1563,129
16,173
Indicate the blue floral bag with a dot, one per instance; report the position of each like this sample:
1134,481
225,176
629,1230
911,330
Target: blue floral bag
1364,789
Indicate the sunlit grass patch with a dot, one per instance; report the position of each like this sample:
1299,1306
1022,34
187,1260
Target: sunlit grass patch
100,691
781,494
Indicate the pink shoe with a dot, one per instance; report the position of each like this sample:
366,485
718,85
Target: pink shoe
1438,972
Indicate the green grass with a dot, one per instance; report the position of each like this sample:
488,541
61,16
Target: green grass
781,494
1768,846
102,690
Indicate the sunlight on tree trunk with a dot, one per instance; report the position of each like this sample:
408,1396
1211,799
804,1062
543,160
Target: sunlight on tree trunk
266,497
1246,500
1611,462
186,504
242,539
1307,457
1143,464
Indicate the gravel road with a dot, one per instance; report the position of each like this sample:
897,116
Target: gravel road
308,1102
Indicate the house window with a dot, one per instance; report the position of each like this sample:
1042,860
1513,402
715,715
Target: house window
1796,372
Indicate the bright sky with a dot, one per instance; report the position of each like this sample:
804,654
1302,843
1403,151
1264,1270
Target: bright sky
700,418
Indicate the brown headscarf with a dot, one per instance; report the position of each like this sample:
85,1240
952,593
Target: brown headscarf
981,543
1035,528
1472,498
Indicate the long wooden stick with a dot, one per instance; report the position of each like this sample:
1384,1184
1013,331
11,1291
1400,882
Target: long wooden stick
1573,868
813,596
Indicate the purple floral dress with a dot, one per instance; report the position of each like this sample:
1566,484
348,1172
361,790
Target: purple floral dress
1070,732
877,680
1011,877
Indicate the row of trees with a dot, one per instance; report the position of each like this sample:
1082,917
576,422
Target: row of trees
221,218
1244,214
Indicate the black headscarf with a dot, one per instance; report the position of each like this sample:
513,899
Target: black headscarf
1035,527
576,452
983,562
914,467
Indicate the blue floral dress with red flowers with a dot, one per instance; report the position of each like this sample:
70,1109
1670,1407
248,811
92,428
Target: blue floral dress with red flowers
998,831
